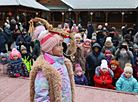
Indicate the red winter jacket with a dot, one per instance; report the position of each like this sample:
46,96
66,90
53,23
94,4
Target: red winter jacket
103,77
117,74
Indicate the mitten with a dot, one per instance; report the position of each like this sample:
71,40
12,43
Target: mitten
17,75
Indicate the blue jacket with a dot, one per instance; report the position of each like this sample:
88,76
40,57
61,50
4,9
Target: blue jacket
129,85
81,80
3,41
28,40
93,60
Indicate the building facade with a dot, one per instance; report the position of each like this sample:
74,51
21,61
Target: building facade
115,13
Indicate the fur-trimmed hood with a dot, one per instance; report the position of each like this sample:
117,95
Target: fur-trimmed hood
4,62
98,73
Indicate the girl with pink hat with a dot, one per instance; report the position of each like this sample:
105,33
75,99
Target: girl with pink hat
52,77
16,66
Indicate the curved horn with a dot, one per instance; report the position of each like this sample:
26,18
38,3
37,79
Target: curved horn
48,26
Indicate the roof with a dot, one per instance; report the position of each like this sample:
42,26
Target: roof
26,3
102,4
17,90
57,7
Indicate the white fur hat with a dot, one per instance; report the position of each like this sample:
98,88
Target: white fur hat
109,39
104,64
77,35
128,69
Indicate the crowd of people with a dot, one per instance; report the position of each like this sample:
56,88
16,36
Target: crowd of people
104,58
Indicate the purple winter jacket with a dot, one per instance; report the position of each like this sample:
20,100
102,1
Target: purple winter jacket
81,80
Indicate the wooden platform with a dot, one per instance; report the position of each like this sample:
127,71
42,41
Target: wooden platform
17,90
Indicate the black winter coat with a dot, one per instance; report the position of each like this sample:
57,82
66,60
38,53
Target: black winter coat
90,31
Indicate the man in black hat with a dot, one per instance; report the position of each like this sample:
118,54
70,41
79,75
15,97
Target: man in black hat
90,30
114,37
83,35
20,40
135,27
128,40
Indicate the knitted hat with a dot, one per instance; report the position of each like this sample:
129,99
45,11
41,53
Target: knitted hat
127,36
66,24
107,51
23,47
128,69
38,30
78,68
74,24
128,64
104,64
87,40
109,39
77,35
14,52
3,55
93,38
99,26
59,25
94,34
47,40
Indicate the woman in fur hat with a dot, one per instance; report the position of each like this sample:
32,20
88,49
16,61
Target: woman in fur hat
52,78
109,46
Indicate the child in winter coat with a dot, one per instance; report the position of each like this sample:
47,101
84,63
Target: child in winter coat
86,47
26,58
103,76
52,78
93,39
109,56
78,55
114,66
124,55
16,66
127,82
4,60
135,69
79,76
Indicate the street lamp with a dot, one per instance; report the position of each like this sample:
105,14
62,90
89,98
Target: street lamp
91,13
123,13
62,13
36,13
70,18
69,9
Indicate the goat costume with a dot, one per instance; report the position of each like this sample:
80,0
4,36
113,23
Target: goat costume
51,69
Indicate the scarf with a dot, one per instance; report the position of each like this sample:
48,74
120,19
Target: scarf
16,62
